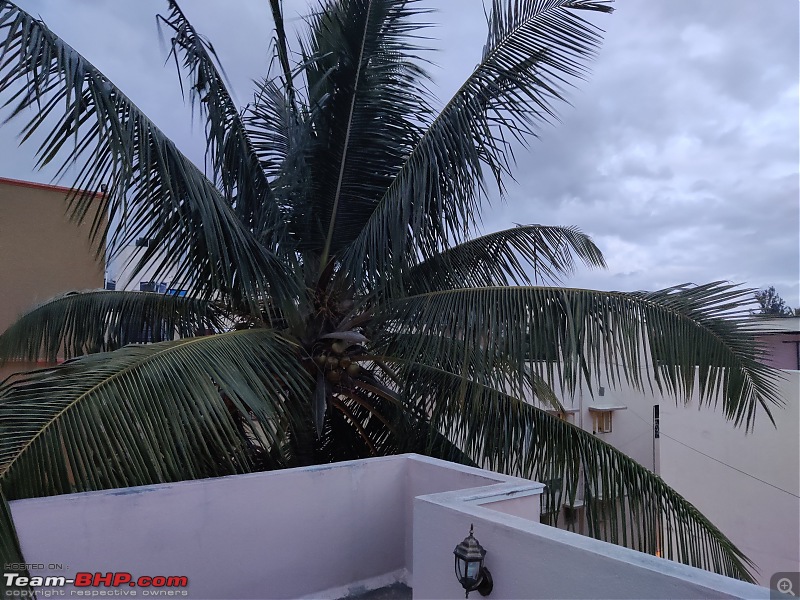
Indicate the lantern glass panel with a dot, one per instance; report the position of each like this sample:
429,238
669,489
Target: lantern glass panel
461,567
473,567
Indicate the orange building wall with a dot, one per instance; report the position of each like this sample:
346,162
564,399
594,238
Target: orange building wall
42,253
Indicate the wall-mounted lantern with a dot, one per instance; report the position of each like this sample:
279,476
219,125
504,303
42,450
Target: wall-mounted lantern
471,573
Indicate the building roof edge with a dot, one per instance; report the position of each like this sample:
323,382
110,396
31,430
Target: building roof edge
42,186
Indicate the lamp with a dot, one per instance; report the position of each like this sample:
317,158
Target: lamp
471,573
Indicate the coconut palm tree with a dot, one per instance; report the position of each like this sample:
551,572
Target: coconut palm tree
331,247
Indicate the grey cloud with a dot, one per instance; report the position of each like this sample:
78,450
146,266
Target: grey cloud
680,152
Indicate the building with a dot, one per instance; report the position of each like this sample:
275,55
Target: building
746,483
43,253
781,336
122,272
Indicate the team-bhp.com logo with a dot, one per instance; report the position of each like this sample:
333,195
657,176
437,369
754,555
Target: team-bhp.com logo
96,584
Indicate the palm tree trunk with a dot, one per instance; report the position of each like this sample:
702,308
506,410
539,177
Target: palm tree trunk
305,445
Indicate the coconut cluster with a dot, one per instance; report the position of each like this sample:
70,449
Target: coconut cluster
336,361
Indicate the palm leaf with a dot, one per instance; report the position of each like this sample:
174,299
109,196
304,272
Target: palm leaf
230,150
504,258
80,323
626,504
149,414
282,49
533,48
448,352
359,424
666,339
154,191
365,101
281,141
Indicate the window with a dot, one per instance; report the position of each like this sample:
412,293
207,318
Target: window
153,286
603,417
541,350
603,422
574,517
554,485
568,414
549,511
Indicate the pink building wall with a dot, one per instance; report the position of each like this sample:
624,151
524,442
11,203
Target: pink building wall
782,350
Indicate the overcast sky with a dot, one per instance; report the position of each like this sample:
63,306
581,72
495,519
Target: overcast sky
679,155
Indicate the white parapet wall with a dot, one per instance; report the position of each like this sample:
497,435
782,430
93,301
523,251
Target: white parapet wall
330,531
529,560
309,532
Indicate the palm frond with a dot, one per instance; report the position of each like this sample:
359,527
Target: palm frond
153,189
281,141
365,99
626,503
79,323
667,339
229,148
359,424
505,258
533,49
367,418
282,49
729,369
145,414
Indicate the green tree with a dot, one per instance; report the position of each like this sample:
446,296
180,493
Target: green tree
771,303
331,247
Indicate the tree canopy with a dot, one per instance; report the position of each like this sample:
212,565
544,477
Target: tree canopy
772,304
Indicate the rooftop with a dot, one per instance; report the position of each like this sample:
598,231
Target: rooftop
776,324
373,529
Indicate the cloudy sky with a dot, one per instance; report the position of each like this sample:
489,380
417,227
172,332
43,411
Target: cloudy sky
679,155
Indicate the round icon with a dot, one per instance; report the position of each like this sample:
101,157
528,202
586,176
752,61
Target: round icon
785,586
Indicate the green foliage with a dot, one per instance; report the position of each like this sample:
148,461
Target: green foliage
79,323
772,304
331,249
